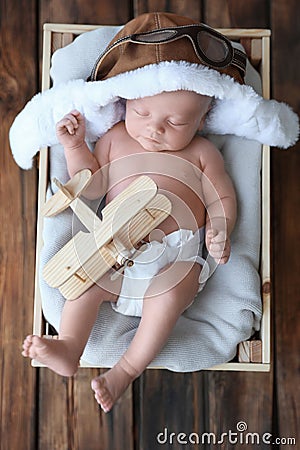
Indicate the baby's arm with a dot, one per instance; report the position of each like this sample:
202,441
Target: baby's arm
220,202
70,131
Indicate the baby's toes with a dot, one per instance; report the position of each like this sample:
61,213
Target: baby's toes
25,351
224,259
26,345
27,342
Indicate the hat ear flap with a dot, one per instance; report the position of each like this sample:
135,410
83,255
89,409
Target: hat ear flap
267,121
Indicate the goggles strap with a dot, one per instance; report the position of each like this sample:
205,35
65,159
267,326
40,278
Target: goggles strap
238,59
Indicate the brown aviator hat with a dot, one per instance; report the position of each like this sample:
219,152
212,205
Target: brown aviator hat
156,37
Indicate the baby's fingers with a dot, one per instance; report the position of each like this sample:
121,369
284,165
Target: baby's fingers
219,237
221,257
211,233
219,248
69,123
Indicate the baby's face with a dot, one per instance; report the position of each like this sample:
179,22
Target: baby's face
166,121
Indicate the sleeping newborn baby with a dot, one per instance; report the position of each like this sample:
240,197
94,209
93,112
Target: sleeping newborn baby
158,138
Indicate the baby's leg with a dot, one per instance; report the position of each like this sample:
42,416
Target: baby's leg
165,301
62,355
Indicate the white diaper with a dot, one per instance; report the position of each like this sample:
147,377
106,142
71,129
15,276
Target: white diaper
181,245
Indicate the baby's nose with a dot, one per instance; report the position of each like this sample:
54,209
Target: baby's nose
156,127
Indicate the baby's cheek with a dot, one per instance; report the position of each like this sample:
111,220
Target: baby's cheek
131,127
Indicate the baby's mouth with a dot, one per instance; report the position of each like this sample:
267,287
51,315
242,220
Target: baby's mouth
150,139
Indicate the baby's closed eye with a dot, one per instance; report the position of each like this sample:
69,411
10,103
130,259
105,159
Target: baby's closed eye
141,113
174,123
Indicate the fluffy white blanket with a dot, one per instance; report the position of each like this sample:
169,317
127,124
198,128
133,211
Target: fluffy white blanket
238,109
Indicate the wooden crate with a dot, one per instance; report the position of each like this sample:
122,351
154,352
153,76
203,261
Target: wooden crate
251,355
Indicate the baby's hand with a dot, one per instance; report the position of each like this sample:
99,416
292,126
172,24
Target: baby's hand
70,130
218,245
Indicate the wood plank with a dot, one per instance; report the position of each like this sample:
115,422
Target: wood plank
73,420
236,13
110,12
17,200
239,397
54,411
250,351
191,9
86,427
265,264
237,390
93,434
286,216
168,404
120,422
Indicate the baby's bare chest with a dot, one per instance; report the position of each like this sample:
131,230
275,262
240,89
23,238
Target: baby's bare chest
131,160
174,175
177,175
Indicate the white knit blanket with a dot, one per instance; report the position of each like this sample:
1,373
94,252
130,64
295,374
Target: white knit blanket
225,313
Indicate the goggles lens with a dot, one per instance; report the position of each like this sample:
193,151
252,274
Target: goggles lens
155,37
212,47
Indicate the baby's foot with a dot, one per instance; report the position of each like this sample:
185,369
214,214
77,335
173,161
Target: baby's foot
110,386
55,354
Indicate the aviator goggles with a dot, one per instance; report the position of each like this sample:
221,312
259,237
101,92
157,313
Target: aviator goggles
212,48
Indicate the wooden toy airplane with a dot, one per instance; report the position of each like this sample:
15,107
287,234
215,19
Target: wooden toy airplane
112,241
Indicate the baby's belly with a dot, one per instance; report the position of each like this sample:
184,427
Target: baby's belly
188,211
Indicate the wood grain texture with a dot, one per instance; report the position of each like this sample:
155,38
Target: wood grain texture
44,411
230,397
70,418
286,213
17,237
110,12
239,397
168,404
236,13
82,425
191,8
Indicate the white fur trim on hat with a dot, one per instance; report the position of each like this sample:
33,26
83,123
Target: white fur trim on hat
238,109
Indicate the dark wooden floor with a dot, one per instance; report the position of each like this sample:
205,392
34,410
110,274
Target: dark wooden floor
39,410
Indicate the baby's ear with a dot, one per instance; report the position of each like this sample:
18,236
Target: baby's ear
202,121
209,107
207,104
